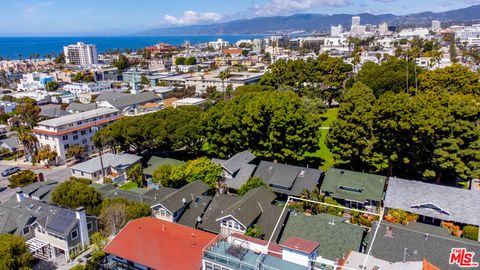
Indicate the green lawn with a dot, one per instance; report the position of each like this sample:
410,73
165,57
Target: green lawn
323,153
129,186
330,116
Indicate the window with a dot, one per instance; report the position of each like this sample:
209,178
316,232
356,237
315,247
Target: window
75,132
74,234
26,230
208,266
84,141
75,137
83,132
89,226
65,137
66,146
81,173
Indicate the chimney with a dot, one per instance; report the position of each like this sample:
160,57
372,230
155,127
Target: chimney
20,196
82,224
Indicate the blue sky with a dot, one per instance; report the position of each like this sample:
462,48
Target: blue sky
59,17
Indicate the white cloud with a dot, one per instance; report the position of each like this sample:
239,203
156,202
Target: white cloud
191,17
283,7
34,8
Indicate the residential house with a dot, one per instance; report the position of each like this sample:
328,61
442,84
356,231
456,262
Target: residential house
237,169
40,191
287,180
10,143
81,107
434,203
75,129
50,231
7,106
130,103
355,260
229,214
173,206
354,189
154,162
416,241
335,236
114,166
238,252
50,111
188,102
149,243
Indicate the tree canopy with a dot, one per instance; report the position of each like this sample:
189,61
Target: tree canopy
22,178
115,213
274,125
73,194
252,183
14,253
452,79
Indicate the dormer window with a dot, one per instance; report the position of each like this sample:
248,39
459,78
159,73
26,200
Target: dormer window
354,189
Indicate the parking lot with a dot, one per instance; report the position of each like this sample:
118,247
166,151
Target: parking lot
60,174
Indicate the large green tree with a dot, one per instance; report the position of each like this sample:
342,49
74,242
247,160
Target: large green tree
350,138
452,79
23,178
274,125
73,194
14,253
115,213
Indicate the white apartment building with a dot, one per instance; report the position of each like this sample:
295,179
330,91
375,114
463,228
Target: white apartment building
383,29
420,32
355,21
60,133
79,88
34,81
469,35
81,54
436,25
219,44
336,30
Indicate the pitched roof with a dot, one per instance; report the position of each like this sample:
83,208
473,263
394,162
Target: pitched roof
154,162
392,240
52,111
194,211
55,219
241,177
11,142
109,160
354,186
436,201
81,107
249,208
185,195
215,210
336,236
40,190
287,179
148,197
300,244
110,95
129,100
233,164
160,244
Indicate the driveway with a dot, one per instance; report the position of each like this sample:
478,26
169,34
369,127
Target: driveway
60,174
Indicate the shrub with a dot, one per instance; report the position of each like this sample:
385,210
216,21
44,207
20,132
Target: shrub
21,179
470,232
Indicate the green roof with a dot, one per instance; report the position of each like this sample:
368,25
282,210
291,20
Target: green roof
353,186
335,237
156,162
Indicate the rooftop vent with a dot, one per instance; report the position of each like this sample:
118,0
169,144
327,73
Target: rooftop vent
301,174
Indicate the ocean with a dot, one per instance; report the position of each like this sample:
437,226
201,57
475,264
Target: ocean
13,47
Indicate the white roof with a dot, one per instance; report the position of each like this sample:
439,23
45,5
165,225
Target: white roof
60,121
190,101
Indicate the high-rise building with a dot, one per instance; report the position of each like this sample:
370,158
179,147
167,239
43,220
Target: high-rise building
336,31
436,25
81,54
383,29
355,21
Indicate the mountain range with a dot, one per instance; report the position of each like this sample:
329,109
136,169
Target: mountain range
316,23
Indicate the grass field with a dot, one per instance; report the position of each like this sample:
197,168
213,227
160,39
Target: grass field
324,153
129,186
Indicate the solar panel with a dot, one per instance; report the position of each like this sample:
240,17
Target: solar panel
61,221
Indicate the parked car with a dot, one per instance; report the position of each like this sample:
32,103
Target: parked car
10,171
3,188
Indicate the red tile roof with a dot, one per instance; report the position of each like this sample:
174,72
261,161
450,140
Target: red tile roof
160,244
300,244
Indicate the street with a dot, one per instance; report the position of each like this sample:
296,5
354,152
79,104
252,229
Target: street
59,174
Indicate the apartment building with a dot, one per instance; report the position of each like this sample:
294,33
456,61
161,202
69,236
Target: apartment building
78,88
61,133
34,81
81,54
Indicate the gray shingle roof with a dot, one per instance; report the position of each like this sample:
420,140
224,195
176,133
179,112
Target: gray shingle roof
55,219
52,111
215,210
392,239
154,162
195,210
110,95
40,190
11,143
130,100
287,179
81,107
174,201
436,201
109,160
336,237
233,164
241,177
353,186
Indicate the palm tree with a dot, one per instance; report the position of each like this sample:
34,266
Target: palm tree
225,75
29,142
